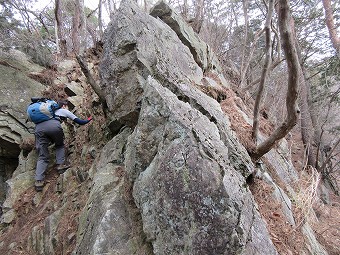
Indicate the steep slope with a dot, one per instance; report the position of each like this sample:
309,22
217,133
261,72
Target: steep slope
164,168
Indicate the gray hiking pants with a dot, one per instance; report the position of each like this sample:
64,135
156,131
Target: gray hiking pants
45,133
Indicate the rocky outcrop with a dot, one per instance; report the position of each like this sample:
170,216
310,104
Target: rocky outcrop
15,93
171,178
201,52
110,222
139,46
187,167
45,211
188,190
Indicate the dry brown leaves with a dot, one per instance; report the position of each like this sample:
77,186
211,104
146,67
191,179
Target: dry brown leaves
285,237
237,121
55,92
29,215
327,224
46,76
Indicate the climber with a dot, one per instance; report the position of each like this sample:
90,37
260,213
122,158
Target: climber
50,131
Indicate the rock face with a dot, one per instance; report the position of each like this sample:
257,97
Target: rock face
15,93
110,222
164,175
185,165
189,192
140,45
200,51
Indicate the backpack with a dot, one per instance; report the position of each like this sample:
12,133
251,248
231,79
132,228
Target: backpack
41,109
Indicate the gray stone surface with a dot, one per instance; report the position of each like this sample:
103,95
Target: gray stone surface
44,239
201,52
16,90
173,179
186,165
187,190
110,222
138,45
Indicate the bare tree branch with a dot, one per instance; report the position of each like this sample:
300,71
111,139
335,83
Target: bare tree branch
322,168
288,44
90,80
265,71
272,67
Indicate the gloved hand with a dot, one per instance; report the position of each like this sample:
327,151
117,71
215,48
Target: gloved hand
89,118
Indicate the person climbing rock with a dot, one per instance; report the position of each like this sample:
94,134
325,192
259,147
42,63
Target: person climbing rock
51,131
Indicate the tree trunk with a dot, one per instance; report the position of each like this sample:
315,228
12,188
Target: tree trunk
56,36
332,29
92,32
90,79
288,45
320,131
75,27
83,27
61,42
265,71
185,9
79,27
307,126
100,20
244,66
146,6
197,21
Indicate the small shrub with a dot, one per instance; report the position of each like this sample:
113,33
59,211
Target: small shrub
306,194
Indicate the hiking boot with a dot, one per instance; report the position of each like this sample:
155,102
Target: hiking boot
62,168
39,185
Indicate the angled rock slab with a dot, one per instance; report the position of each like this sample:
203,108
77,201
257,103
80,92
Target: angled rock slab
201,51
192,199
138,45
187,166
110,222
74,89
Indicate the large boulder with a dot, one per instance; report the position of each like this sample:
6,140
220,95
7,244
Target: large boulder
193,200
187,168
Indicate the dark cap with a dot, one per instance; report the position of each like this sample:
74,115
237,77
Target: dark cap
62,102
